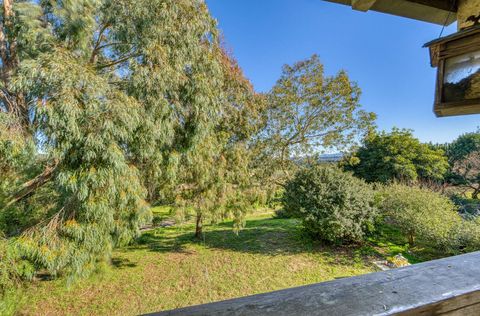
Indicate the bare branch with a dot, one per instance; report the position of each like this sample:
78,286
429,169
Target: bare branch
97,43
118,61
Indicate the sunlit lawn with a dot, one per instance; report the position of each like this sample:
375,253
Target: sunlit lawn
169,269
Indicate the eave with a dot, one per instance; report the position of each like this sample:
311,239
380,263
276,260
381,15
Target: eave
433,11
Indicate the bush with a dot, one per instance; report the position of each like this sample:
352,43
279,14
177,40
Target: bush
157,220
466,236
13,269
468,208
283,213
334,205
421,213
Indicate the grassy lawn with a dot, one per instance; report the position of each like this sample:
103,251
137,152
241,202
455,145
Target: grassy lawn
162,212
169,269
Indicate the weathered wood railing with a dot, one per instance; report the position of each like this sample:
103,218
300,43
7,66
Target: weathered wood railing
448,286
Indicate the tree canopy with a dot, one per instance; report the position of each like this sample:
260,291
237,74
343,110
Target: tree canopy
464,158
109,94
397,155
108,106
309,111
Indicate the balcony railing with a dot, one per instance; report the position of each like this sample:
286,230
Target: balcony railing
449,286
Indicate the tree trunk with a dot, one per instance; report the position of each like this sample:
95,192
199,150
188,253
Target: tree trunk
152,192
411,239
14,103
475,193
31,185
198,226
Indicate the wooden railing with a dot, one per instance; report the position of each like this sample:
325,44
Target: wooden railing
449,286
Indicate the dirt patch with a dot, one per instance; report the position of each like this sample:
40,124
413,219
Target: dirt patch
299,264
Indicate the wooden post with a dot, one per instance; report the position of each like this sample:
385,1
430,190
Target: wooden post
468,13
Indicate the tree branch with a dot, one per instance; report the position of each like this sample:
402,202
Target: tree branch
97,43
31,185
111,44
118,61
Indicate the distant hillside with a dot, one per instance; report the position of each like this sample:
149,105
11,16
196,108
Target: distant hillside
330,157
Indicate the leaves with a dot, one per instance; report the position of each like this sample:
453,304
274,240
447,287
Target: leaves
333,205
310,112
111,91
463,156
384,157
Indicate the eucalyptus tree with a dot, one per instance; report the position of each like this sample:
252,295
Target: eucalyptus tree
111,92
215,176
308,112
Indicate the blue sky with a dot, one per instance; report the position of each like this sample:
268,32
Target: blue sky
382,53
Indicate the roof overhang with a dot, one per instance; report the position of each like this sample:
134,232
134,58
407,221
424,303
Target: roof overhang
443,12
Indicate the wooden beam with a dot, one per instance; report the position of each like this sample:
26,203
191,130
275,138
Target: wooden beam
446,5
468,13
362,5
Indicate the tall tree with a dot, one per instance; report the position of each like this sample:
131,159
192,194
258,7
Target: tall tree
108,91
309,112
397,155
215,178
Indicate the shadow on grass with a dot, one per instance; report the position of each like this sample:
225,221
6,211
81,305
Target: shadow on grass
263,236
392,242
122,263
267,236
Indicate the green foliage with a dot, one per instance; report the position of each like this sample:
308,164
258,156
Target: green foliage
466,236
13,269
214,177
464,145
18,162
107,99
397,155
333,205
178,80
308,111
464,158
86,125
422,214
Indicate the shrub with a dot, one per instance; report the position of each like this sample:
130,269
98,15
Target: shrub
466,236
468,208
157,220
283,213
334,205
421,213
13,269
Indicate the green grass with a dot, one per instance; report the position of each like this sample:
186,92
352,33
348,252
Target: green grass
168,268
388,241
162,212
